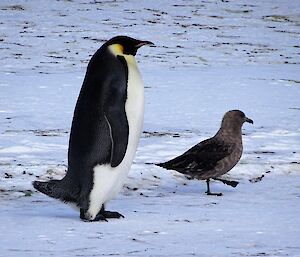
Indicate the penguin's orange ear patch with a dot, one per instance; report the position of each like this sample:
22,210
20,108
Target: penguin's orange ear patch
116,49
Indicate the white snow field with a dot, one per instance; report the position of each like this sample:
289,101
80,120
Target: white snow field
210,57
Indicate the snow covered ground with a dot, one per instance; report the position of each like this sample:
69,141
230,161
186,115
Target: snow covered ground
210,57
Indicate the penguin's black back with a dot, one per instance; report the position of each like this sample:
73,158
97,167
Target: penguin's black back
99,132
90,142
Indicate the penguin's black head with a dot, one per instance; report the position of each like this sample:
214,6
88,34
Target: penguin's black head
127,45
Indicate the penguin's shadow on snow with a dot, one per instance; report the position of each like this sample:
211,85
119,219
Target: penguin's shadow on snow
51,209
196,187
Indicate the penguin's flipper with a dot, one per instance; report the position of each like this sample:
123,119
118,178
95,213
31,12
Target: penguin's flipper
115,115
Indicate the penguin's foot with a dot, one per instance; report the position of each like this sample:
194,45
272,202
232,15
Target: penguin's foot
85,217
102,215
111,214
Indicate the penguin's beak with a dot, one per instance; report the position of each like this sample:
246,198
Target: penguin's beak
248,120
143,43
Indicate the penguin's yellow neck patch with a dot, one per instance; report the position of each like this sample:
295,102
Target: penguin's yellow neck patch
116,49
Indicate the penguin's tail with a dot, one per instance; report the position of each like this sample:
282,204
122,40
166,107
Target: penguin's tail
55,189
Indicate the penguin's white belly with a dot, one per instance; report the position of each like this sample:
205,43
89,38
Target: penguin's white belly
109,181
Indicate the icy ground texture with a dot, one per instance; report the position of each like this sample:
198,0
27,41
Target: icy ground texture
210,56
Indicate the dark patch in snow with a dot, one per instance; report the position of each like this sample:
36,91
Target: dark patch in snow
159,134
257,179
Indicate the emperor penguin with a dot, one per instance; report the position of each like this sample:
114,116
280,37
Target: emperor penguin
105,132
